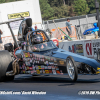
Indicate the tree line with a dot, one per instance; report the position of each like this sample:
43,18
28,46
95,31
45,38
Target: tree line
54,9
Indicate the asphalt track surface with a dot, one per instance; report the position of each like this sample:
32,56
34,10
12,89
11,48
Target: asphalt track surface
56,87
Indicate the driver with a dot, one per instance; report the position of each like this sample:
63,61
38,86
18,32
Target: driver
37,39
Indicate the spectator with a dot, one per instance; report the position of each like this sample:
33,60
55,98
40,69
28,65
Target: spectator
68,27
1,40
35,27
0,36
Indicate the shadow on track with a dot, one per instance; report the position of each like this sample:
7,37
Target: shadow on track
53,79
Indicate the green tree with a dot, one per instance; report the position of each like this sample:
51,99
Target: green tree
60,12
46,11
91,5
56,3
2,1
81,7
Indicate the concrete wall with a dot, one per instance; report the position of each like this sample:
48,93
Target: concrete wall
85,22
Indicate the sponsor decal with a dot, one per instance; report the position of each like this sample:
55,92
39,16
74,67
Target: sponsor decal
31,60
31,55
43,71
46,62
36,67
26,54
17,15
55,60
56,68
38,62
29,63
33,72
46,67
54,71
76,48
51,63
42,60
31,68
61,71
57,71
38,72
88,48
61,62
50,71
55,64
42,66
23,67
47,71
28,59
28,72
23,71
37,59
49,67
51,59
39,67
53,67
27,68
96,47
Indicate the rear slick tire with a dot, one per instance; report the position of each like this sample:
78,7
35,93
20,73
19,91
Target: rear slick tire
5,65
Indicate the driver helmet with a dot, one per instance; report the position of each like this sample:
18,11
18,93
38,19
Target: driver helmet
37,39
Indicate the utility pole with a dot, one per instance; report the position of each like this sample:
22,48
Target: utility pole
97,16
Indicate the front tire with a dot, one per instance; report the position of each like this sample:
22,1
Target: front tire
71,68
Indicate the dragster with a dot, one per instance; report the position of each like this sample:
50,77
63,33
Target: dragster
34,53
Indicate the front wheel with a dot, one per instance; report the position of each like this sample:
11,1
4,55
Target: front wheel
71,68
